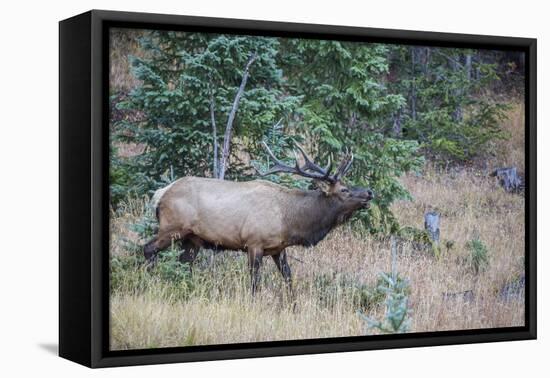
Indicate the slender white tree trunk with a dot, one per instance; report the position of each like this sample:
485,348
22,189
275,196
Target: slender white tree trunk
224,163
215,172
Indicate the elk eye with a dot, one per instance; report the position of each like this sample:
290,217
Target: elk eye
344,190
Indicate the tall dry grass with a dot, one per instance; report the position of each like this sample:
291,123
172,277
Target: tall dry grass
215,306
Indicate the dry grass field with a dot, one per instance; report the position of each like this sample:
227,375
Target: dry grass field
338,277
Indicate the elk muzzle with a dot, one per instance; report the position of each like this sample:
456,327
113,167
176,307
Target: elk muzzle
150,250
364,195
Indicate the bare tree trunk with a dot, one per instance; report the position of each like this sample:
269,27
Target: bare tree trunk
229,127
469,67
393,257
413,84
457,114
426,61
477,73
397,127
215,172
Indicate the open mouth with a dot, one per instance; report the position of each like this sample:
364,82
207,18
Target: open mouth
366,204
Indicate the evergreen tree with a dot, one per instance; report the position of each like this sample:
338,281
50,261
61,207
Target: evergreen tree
194,105
445,110
346,105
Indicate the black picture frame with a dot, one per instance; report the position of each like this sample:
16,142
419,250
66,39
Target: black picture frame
84,192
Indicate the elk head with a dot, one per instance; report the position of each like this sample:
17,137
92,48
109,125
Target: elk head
352,198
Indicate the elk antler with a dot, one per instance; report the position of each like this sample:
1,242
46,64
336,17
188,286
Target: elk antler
310,165
309,169
344,166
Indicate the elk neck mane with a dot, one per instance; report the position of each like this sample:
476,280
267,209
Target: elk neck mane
310,215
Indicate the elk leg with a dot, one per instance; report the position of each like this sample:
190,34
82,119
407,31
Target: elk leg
189,254
153,247
284,268
157,244
255,256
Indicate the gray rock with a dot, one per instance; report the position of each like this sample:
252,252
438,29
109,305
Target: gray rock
508,179
431,224
513,291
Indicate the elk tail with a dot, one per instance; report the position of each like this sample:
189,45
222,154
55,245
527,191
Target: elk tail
157,197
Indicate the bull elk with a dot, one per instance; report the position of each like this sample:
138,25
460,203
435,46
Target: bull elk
259,217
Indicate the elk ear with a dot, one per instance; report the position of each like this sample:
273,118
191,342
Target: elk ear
324,186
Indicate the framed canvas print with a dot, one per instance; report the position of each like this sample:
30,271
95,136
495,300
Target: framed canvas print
233,188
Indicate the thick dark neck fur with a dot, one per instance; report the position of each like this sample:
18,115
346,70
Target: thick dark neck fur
311,215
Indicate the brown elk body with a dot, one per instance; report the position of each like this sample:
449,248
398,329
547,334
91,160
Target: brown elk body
259,217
